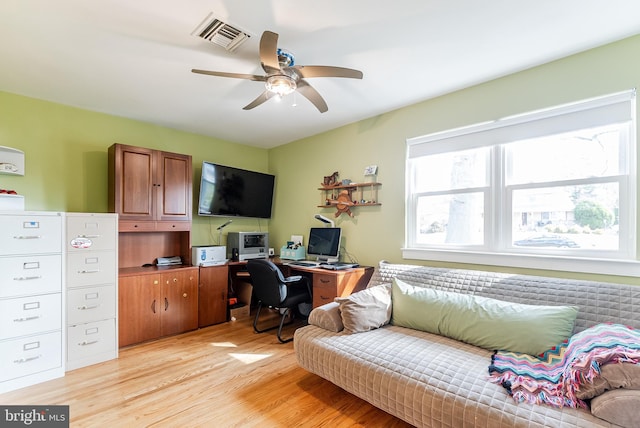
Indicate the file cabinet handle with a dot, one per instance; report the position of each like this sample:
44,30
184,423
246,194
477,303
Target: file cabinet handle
26,278
85,307
27,237
26,319
87,342
89,271
26,360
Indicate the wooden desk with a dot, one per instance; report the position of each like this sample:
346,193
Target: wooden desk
326,284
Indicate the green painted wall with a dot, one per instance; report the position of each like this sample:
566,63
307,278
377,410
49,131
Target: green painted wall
66,151
66,157
376,234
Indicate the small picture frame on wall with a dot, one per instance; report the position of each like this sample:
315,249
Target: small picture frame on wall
371,170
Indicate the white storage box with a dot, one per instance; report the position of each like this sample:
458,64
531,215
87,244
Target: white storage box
11,202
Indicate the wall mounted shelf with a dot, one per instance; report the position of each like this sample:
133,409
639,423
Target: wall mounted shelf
345,196
11,161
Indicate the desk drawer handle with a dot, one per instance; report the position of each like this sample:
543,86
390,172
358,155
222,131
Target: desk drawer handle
26,319
26,278
325,281
324,297
87,343
26,360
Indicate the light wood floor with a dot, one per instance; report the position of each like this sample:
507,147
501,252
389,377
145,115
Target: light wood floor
219,376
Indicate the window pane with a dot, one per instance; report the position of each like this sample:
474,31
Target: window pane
455,170
580,154
451,219
580,217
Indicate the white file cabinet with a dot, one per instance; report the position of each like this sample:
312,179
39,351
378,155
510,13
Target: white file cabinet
91,284
32,336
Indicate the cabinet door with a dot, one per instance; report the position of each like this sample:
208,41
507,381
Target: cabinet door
139,308
173,187
132,185
179,304
212,295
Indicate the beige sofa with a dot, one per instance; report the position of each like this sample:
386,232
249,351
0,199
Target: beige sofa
430,380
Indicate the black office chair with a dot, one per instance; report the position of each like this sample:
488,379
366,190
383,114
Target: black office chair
272,289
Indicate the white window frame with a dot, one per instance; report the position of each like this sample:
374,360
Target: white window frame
613,108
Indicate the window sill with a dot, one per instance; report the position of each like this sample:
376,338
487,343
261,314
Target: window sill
628,268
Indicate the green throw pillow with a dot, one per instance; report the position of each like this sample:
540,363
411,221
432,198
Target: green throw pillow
481,321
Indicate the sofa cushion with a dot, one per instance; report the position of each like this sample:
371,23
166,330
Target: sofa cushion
367,309
612,376
620,407
488,323
327,316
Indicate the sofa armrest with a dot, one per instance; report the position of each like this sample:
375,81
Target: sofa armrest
327,317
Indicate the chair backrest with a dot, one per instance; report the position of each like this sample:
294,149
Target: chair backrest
268,282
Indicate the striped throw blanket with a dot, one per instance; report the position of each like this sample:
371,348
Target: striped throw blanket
554,377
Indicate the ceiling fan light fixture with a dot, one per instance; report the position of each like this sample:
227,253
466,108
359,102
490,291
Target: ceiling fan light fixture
281,84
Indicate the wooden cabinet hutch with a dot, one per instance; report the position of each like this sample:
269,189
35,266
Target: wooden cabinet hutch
151,190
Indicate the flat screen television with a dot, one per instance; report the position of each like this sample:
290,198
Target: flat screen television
324,243
233,192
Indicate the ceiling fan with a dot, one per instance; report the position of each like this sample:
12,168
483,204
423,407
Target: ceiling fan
283,76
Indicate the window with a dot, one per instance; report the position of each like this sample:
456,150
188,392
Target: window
553,189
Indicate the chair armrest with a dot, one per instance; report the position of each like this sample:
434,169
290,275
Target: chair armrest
294,278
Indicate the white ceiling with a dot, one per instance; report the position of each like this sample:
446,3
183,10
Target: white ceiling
133,58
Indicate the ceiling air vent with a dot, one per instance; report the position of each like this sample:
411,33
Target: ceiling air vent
218,32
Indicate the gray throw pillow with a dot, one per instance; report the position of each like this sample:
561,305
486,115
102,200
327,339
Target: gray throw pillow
619,407
367,309
612,376
327,316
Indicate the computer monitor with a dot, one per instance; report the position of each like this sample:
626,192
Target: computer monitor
324,243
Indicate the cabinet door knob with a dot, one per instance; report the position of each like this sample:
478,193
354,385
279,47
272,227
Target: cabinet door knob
184,294
153,306
175,279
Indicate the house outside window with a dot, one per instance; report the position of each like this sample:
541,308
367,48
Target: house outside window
551,189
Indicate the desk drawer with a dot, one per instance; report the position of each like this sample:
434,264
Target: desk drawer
91,304
25,275
323,293
30,315
91,268
29,355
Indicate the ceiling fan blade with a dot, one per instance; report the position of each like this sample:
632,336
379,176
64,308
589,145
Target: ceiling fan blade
312,95
269,52
261,99
306,71
234,75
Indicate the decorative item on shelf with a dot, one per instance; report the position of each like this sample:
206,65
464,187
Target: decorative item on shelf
331,180
343,204
370,173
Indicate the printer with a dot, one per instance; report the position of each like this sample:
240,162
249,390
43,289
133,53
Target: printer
209,255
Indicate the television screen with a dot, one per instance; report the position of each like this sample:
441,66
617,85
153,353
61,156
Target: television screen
234,192
324,243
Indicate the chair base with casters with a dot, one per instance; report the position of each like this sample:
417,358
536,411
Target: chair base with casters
273,290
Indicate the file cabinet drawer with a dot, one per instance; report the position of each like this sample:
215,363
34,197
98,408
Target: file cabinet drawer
29,355
30,234
30,315
91,304
91,268
91,232
25,275
86,340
